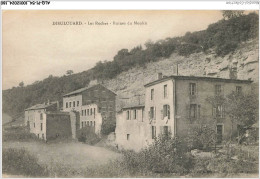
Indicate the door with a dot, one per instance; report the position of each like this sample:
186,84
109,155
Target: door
219,133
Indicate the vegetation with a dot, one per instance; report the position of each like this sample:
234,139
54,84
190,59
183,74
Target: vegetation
87,135
222,37
21,162
17,134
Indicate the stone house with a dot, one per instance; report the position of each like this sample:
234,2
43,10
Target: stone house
130,127
46,122
173,104
95,104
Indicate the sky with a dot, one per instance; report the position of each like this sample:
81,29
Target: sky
33,48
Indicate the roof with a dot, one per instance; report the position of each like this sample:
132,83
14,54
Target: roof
133,107
78,91
202,78
40,106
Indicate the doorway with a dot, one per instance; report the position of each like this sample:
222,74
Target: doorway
219,133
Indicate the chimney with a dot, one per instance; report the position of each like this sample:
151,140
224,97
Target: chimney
160,75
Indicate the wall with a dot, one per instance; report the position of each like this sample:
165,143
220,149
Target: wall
104,98
158,103
58,125
134,127
204,90
35,122
71,99
75,122
88,119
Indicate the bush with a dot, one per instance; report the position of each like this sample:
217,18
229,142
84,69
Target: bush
88,135
165,155
108,126
201,137
18,134
21,162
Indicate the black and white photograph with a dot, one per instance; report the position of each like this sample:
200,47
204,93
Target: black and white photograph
130,93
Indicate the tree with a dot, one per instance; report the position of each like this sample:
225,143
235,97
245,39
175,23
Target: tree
69,72
21,84
243,108
229,14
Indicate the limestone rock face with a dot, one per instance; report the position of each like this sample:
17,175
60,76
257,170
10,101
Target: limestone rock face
129,85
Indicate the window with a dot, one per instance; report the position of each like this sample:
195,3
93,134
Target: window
41,126
127,136
74,104
217,89
165,91
238,89
85,123
94,123
77,103
192,88
219,111
88,112
165,130
42,136
82,112
81,124
153,132
135,114
91,111
151,112
70,104
85,112
152,94
90,123
67,105
128,115
193,111
41,116
94,112
166,111
34,125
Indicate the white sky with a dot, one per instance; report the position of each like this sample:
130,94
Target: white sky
33,48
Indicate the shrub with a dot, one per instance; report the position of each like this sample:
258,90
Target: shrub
18,134
201,137
165,155
88,135
108,126
21,162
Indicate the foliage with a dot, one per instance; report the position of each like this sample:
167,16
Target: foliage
223,37
21,162
69,72
243,108
108,126
201,136
21,84
228,14
18,134
164,155
87,135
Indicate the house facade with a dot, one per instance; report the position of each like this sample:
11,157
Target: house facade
41,121
174,104
91,116
95,104
130,128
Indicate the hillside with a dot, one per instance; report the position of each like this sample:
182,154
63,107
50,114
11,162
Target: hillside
224,46
130,84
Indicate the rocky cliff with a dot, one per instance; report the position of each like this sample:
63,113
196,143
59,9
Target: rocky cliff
241,64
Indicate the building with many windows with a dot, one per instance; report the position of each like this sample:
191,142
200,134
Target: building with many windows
173,104
95,104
